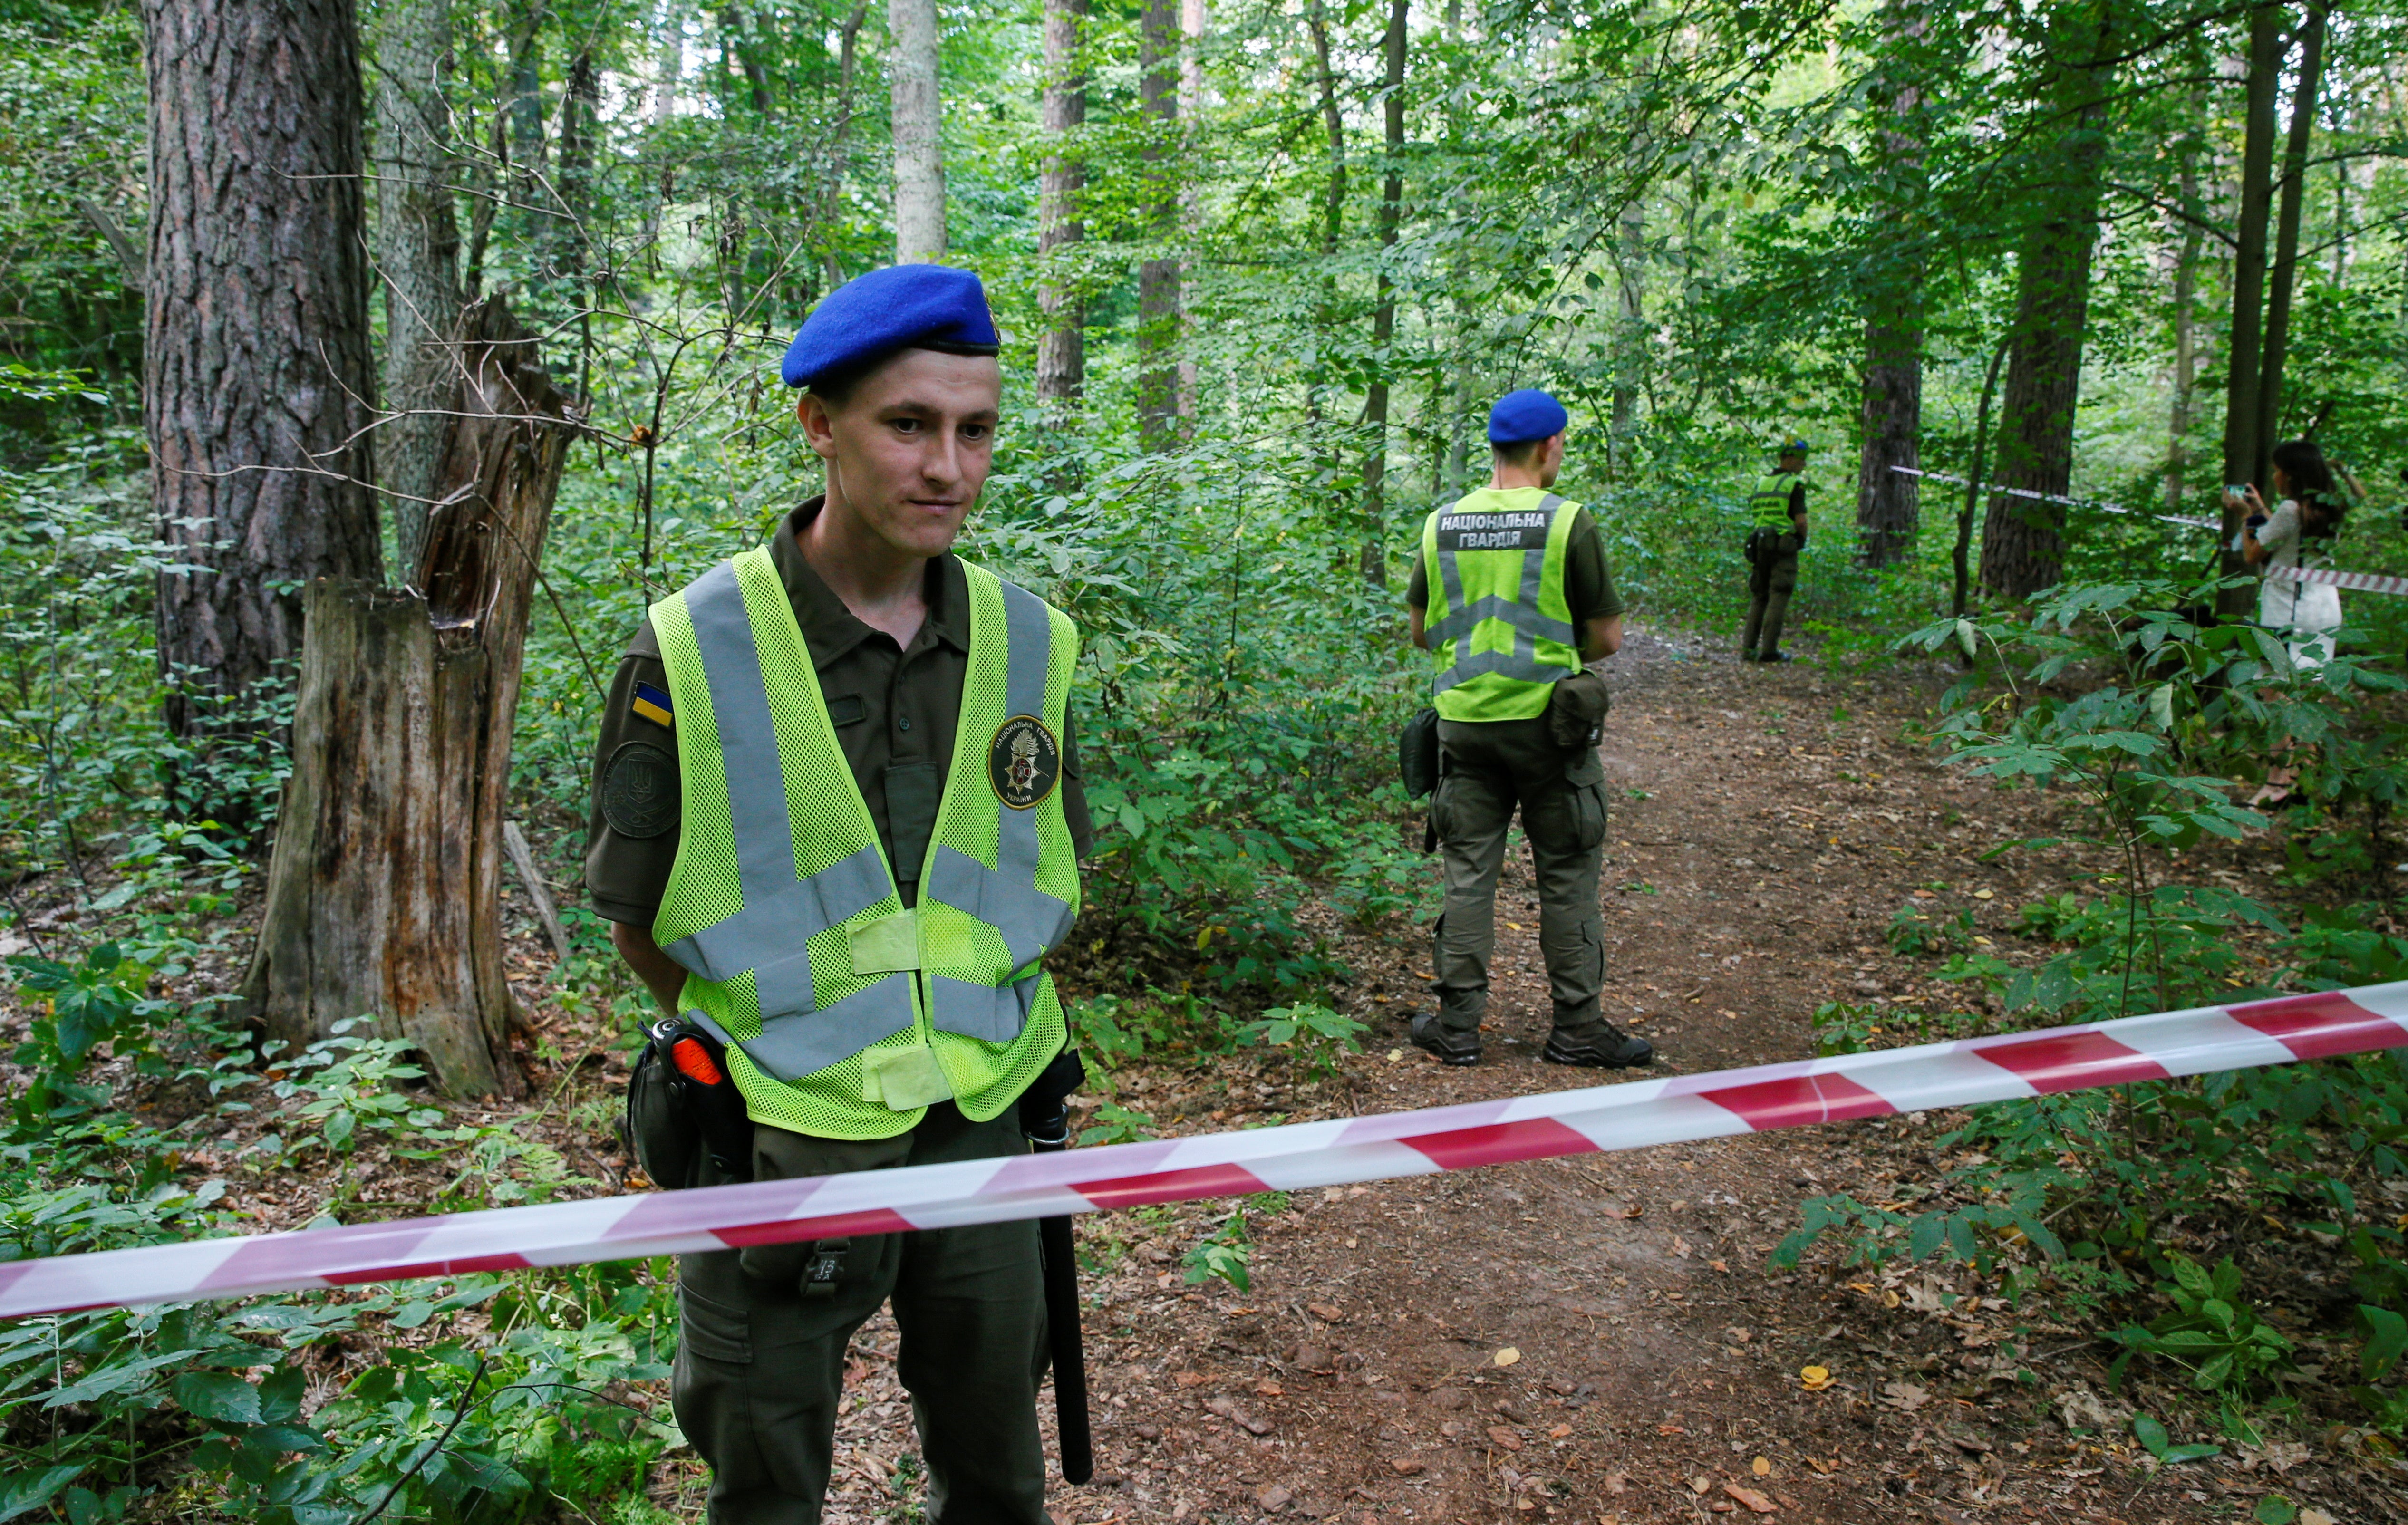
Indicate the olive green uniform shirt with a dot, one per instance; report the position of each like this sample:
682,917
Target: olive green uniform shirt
1589,583
893,708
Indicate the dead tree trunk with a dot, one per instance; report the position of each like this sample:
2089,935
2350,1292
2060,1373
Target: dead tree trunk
384,894
257,379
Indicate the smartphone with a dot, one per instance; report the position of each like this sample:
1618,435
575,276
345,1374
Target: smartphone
2232,491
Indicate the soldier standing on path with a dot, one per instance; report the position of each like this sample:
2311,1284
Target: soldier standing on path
1512,596
836,825
1776,534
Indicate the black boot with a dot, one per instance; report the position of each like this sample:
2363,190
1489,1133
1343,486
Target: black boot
1608,1049
1450,1047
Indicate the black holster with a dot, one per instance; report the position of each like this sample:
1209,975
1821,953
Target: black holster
683,1106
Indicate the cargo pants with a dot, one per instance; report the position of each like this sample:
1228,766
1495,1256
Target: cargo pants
761,1354
1486,771
1771,580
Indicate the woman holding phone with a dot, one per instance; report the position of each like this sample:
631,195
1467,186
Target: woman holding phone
2298,534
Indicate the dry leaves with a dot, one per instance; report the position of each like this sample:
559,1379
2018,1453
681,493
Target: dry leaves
1761,1467
1407,1466
1749,1499
1904,1396
1508,1356
1505,1438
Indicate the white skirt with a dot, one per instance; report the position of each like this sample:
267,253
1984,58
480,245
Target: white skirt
2307,615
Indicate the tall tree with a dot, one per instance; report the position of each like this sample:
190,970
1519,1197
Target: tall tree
418,257
1630,293
2185,325
1157,278
1062,347
848,62
1383,316
258,379
2243,412
918,132
2023,537
2284,274
1888,504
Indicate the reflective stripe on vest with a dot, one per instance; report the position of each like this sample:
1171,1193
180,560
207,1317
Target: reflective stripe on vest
1545,647
1006,896
845,1013
1768,507
781,912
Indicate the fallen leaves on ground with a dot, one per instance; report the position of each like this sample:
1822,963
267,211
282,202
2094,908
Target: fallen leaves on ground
1815,1377
1749,1499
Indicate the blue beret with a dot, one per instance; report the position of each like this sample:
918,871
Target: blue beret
1796,444
901,306
1521,417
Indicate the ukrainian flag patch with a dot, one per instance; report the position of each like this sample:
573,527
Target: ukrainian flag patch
652,705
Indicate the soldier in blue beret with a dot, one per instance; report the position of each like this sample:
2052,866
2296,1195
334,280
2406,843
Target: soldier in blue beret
1512,596
836,826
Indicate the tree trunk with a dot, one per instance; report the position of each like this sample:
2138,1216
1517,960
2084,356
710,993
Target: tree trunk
2286,235
1062,348
1158,278
2186,296
2022,539
1973,483
919,143
418,258
257,379
2243,411
384,894
1193,17
1630,280
832,192
1889,497
1383,316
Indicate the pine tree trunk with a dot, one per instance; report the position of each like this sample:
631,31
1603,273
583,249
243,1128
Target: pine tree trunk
1374,559
418,258
1158,278
1062,348
2242,413
919,143
2022,539
2284,274
257,378
383,895
1888,495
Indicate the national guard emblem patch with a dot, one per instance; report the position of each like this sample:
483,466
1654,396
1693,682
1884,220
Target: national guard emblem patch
639,790
1024,763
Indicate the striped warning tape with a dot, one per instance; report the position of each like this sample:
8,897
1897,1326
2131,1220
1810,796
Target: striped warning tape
2368,582
2365,582
2058,497
1292,1157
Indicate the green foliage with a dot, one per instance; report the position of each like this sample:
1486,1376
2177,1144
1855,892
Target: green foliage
1843,1027
2212,1333
1222,1255
1317,1039
2154,1439
1915,934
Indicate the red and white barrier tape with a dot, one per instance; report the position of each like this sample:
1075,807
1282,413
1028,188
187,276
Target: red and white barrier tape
1294,1157
2058,497
2365,582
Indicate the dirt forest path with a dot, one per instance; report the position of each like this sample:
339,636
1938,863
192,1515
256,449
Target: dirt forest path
1599,1339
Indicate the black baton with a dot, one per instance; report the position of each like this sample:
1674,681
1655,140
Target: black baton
1045,1119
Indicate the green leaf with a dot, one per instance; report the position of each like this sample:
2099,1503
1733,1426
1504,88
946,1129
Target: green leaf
24,1494
2390,1339
218,1396
2152,1436
2274,1509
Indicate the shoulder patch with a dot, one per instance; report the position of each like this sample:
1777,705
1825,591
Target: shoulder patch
652,705
639,790
1024,761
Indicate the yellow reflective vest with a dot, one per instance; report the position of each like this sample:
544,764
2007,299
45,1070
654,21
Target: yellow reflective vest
846,1015
1500,621
1768,507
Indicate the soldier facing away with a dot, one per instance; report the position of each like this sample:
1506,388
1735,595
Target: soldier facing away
836,825
1510,594
1776,534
